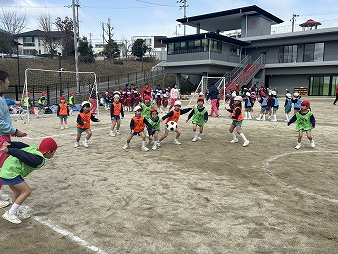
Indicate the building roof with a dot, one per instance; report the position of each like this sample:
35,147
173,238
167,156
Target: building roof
215,36
227,20
39,33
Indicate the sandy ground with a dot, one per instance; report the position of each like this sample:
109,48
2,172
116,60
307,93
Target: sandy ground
208,196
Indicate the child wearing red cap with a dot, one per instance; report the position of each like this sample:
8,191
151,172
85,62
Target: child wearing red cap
41,104
63,113
305,122
199,116
71,102
22,160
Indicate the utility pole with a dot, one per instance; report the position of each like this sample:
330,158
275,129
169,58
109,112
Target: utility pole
184,6
109,39
293,19
75,46
77,18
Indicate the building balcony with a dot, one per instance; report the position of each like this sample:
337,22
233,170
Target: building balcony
204,55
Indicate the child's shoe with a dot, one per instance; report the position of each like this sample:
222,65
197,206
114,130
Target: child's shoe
176,142
85,143
61,127
158,144
234,140
298,146
312,143
11,218
118,132
126,146
76,144
112,134
194,139
246,142
154,147
4,203
144,148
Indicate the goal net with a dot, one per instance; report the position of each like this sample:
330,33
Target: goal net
204,84
55,84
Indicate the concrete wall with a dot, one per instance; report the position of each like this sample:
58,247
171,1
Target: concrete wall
283,82
255,25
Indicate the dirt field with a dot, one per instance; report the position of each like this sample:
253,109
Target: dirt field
204,197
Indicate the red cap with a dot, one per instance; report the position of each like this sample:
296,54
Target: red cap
200,99
147,97
62,98
47,145
153,110
43,93
306,103
71,92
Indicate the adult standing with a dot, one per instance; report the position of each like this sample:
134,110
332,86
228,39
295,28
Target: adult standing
213,96
6,127
334,103
93,99
146,90
174,96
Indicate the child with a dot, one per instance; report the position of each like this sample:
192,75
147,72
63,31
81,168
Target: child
154,121
146,106
297,102
247,106
199,116
27,102
116,110
71,102
41,104
174,115
274,105
63,113
263,101
137,125
83,123
305,122
287,106
23,160
165,103
236,116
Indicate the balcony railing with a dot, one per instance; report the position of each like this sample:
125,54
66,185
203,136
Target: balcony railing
205,55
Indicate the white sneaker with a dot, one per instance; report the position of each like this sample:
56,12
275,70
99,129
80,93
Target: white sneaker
258,119
22,216
297,146
158,144
154,147
126,146
273,120
112,134
118,132
66,127
85,143
4,203
199,138
176,142
194,139
11,218
61,127
246,143
312,143
76,144
234,140
144,148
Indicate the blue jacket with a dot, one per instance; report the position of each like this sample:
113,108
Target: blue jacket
213,92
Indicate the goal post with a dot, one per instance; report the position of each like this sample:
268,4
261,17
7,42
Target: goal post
58,83
205,82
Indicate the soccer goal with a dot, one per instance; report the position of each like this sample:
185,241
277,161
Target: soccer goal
205,82
56,83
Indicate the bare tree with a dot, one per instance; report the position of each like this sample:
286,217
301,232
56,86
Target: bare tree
47,36
13,22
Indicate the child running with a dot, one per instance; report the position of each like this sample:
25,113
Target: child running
155,122
41,104
305,122
23,160
63,113
236,116
287,106
297,102
174,115
274,105
83,123
71,102
116,110
137,125
199,116
263,101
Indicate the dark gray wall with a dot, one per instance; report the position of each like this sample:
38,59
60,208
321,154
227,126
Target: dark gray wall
283,82
255,25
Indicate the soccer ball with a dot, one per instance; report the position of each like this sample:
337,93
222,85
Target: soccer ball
171,126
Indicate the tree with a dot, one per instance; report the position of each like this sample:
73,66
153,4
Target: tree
47,34
66,26
85,51
139,49
13,22
111,50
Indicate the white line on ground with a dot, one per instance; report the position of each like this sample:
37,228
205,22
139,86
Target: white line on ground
271,174
68,234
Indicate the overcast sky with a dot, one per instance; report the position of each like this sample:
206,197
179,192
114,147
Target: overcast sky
158,17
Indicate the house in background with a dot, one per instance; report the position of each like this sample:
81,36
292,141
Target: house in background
32,43
305,59
157,48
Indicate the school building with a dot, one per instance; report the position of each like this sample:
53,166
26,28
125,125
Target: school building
304,61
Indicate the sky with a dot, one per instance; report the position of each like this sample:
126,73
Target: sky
158,17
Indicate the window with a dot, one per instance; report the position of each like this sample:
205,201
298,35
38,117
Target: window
170,48
314,52
288,54
205,45
216,46
234,50
28,41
